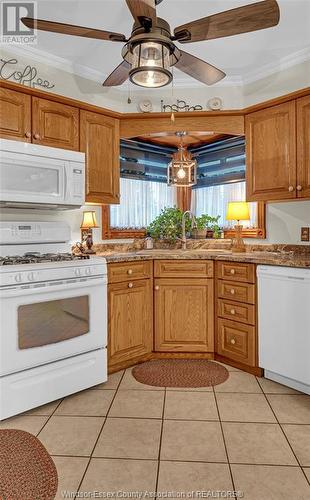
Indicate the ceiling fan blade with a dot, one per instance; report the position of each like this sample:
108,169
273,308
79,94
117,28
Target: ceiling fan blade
69,29
199,69
142,8
252,17
118,76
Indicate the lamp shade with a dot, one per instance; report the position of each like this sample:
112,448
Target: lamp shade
238,210
89,220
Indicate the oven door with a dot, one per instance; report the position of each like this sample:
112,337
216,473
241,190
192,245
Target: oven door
50,321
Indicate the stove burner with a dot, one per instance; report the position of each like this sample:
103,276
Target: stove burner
37,258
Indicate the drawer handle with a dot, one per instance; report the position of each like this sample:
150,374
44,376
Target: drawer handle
36,136
232,291
232,271
232,311
28,135
156,287
291,189
232,341
299,187
129,271
130,285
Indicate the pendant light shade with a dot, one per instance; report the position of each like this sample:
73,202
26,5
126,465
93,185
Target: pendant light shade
150,65
182,170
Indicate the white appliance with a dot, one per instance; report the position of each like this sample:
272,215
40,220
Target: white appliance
53,317
34,176
284,325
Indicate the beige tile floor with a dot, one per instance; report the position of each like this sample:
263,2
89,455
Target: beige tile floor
247,434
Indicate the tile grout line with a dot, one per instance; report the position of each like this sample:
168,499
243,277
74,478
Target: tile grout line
222,431
160,439
99,434
287,440
50,416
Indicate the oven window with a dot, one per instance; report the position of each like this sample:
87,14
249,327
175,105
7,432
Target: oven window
45,323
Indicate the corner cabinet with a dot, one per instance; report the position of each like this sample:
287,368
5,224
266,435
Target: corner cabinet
99,139
271,153
15,115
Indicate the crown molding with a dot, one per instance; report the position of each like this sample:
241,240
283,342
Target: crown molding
86,72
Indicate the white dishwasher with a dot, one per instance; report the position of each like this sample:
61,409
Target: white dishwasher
284,325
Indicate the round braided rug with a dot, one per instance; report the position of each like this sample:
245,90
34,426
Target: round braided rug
27,472
180,373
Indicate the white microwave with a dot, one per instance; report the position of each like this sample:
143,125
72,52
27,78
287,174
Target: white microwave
34,176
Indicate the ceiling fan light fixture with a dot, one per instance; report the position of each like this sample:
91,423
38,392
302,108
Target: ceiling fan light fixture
150,64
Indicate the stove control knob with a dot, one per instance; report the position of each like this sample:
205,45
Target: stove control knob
88,271
18,277
77,272
31,276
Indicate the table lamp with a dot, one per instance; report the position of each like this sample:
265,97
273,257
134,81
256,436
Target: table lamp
238,210
89,221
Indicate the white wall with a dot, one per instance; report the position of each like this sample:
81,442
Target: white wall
284,221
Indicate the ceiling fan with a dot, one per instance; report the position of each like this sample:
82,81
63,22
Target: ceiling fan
150,51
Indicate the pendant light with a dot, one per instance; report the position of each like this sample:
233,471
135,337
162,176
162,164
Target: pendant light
182,170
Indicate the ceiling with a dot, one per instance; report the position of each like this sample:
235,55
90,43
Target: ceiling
238,56
191,138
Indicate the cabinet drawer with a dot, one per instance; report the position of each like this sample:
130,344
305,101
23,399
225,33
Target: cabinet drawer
237,341
241,292
124,271
245,313
236,271
183,269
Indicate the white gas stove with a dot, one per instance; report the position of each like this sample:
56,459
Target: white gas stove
53,316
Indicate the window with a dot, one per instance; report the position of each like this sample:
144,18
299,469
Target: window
140,203
212,200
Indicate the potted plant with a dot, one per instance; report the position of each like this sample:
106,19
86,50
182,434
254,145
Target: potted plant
168,225
203,222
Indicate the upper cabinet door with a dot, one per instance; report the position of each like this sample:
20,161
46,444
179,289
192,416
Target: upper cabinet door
100,141
55,124
303,147
15,115
271,153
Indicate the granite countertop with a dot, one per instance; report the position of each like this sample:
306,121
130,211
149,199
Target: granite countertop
277,258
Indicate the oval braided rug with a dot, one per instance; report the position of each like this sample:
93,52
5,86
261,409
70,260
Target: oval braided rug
180,373
27,472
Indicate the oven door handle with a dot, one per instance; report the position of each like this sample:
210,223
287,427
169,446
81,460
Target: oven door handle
50,287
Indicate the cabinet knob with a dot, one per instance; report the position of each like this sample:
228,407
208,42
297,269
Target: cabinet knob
232,291
28,135
129,271
156,287
36,136
299,187
232,341
130,285
291,188
232,311
232,271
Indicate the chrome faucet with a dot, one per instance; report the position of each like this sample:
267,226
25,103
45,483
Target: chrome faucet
192,218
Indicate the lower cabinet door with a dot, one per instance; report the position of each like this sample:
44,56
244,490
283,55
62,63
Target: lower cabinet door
236,341
184,315
130,320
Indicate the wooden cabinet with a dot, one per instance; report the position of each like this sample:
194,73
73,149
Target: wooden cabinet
303,147
15,115
129,270
130,320
271,153
55,124
236,334
183,314
99,139
183,268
